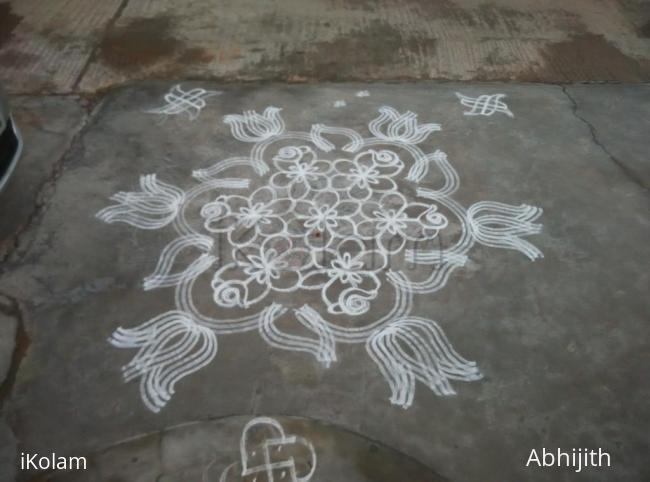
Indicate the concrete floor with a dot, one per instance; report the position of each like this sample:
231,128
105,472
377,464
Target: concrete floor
200,451
562,343
63,46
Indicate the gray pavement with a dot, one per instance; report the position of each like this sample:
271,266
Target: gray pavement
72,46
615,117
47,125
562,342
204,451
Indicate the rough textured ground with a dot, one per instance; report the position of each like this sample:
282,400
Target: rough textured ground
80,45
563,341
47,125
202,451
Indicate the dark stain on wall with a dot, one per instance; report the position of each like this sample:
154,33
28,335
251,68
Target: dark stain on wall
147,42
644,30
362,53
140,43
588,57
8,22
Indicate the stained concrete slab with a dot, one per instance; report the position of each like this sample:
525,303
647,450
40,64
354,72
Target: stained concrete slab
562,342
45,46
47,125
64,46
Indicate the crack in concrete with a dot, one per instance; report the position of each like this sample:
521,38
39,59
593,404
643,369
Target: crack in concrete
93,54
13,309
45,191
594,136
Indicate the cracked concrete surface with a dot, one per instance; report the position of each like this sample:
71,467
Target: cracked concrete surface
48,124
616,116
562,342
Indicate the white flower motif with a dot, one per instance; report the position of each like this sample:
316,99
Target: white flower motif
299,171
302,172
257,270
254,127
363,176
244,218
392,221
323,218
344,268
368,173
266,267
347,275
403,128
257,213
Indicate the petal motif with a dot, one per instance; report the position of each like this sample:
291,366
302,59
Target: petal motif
155,206
323,349
416,349
317,131
171,346
403,128
254,127
162,277
501,226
